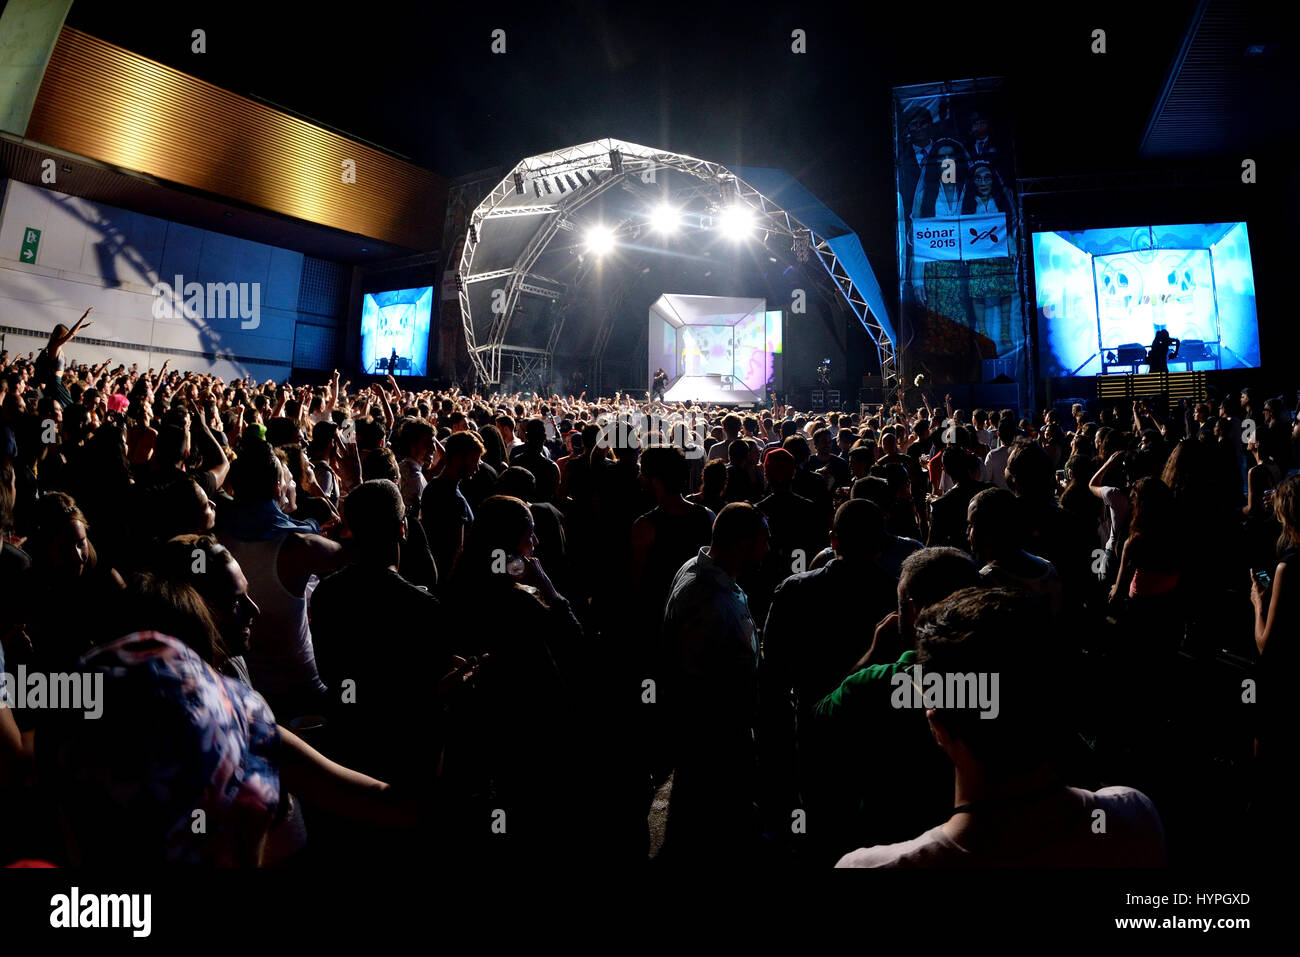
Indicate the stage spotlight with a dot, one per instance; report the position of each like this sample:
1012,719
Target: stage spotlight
664,218
473,235
573,184
616,162
728,189
559,181
547,184
519,183
593,176
736,222
537,188
600,240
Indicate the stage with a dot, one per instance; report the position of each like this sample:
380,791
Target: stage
712,388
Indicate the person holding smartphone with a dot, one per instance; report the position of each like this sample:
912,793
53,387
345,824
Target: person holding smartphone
1276,598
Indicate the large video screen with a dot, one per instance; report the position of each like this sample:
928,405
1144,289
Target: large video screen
1104,295
395,331
744,351
706,350
758,343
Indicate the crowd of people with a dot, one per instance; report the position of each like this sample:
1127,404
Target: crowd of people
360,624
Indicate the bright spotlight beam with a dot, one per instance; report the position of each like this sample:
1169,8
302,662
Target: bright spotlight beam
665,219
599,240
736,222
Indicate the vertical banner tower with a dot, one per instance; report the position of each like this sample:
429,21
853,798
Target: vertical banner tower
962,317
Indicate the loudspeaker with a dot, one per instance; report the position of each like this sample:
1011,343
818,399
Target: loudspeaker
999,370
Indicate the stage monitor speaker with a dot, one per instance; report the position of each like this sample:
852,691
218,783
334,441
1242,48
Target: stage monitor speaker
999,370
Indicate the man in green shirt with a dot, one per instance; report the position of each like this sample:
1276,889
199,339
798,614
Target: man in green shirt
877,776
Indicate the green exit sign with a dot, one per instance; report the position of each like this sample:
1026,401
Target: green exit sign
31,242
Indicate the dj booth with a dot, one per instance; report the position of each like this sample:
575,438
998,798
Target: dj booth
1131,356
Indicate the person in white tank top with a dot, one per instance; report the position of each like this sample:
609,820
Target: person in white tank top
282,560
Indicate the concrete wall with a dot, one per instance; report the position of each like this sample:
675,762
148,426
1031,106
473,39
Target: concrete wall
28,31
96,255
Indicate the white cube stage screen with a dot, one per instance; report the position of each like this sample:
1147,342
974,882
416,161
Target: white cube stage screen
713,348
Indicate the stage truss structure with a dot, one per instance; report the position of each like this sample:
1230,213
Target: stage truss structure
564,181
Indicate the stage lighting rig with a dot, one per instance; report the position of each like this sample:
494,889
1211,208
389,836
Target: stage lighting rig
473,234
616,162
802,244
519,183
537,188
727,186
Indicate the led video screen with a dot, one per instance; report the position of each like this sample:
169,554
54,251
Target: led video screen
1104,294
745,350
395,331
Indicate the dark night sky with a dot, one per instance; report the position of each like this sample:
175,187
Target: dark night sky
717,82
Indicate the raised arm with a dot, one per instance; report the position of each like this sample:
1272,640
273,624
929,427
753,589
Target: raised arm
206,444
155,378
1098,480
77,327
282,399
332,400
387,409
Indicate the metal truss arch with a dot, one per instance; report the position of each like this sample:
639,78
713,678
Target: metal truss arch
552,187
